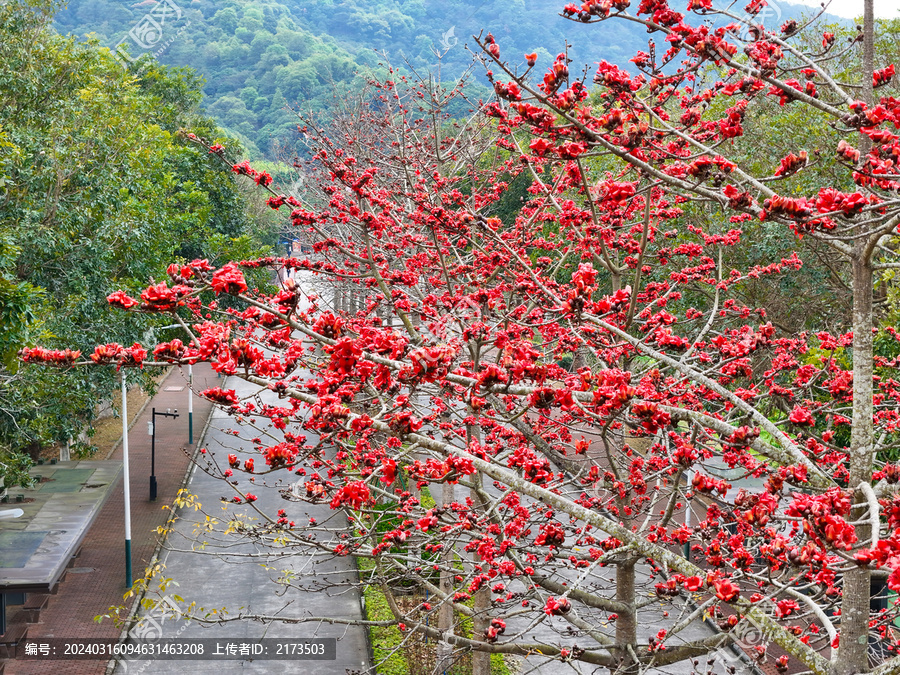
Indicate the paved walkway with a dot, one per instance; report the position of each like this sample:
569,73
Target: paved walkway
97,581
216,570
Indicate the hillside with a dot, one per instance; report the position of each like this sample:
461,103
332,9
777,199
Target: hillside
258,57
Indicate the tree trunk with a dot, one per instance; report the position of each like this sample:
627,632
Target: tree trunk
854,647
626,624
481,661
445,614
854,643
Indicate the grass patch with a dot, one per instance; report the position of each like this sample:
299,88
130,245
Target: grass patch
385,640
417,656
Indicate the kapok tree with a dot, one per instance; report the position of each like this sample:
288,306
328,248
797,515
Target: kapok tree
577,481
688,160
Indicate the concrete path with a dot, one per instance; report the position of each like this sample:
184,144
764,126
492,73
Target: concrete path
216,570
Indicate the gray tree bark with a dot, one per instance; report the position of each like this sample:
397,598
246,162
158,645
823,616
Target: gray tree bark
852,654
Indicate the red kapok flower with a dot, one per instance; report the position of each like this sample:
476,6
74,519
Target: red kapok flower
388,470
725,590
693,583
105,354
219,395
132,356
229,279
121,299
556,607
802,416
353,495
65,357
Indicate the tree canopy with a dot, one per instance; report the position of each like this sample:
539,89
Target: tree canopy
101,188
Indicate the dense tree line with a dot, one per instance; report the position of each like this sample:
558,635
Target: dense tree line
256,58
100,185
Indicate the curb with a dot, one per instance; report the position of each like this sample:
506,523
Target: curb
370,646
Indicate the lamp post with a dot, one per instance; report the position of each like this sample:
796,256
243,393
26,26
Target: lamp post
153,447
190,404
126,483
687,514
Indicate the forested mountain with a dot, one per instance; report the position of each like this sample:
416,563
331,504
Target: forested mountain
258,57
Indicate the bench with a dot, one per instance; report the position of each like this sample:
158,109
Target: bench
31,610
14,634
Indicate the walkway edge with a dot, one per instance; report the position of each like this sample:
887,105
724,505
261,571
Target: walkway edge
129,622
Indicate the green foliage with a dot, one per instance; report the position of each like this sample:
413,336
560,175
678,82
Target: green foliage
385,640
14,468
256,58
308,52
391,655
101,190
17,311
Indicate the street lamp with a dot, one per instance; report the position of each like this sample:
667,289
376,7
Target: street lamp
152,430
127,483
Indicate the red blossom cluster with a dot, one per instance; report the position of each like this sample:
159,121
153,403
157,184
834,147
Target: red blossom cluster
557,606
223,396
792,163
260,177
133,356
62,357
122,300
353,495
228,279
176,351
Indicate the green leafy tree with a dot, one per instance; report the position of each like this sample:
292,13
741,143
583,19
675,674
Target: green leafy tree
101,187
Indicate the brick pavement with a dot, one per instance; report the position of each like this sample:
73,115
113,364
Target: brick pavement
97,580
